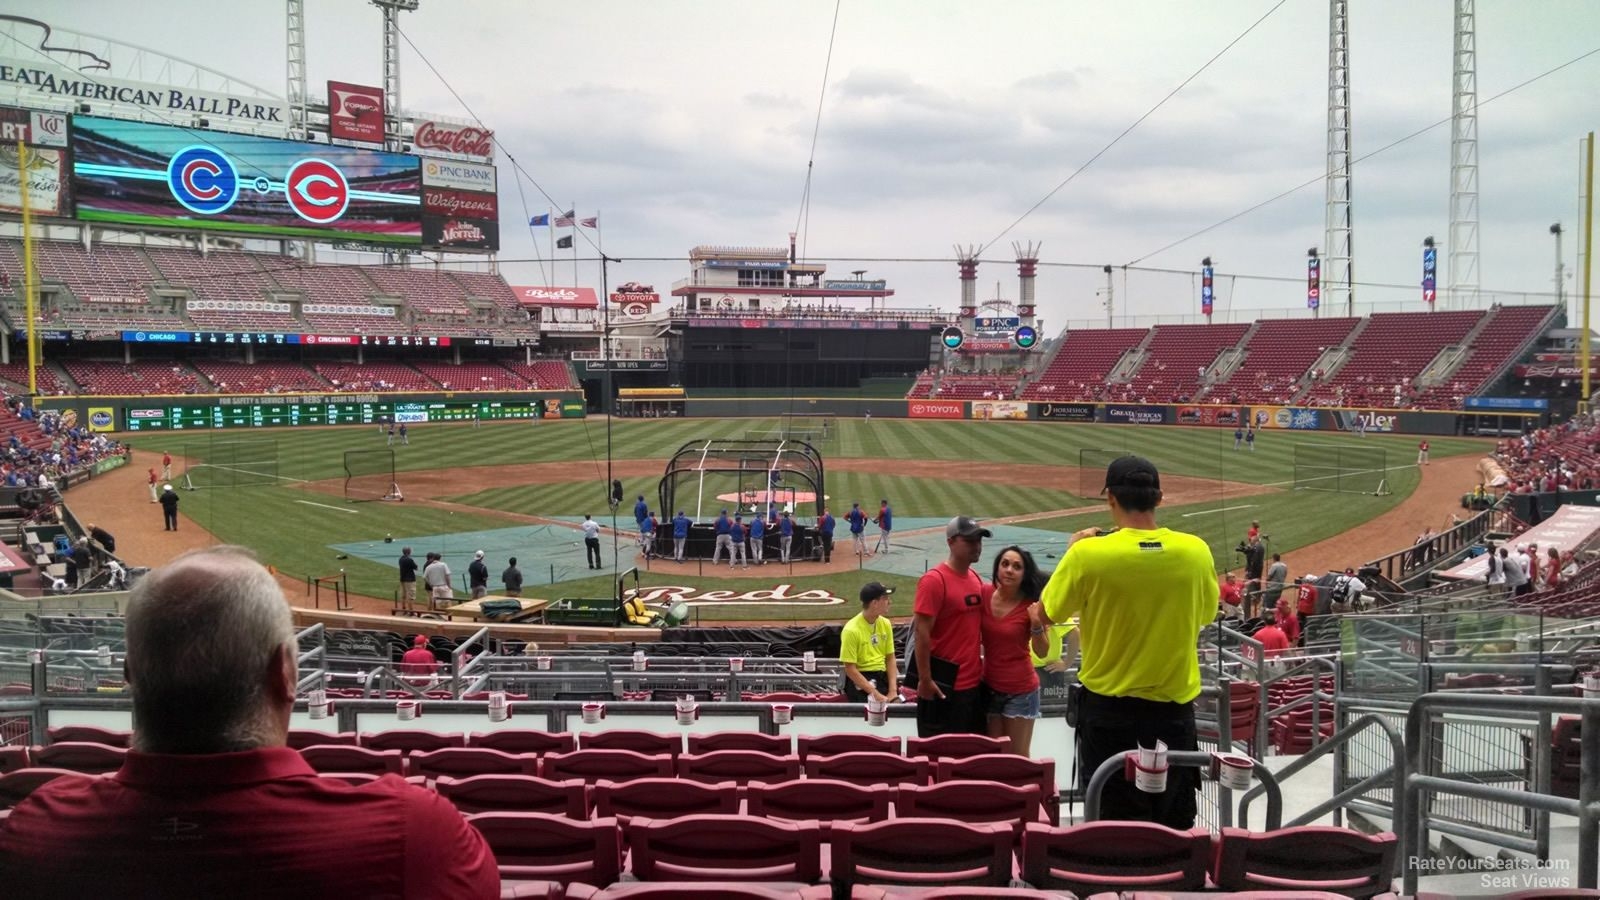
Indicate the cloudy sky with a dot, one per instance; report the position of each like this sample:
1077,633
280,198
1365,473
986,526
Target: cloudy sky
690,122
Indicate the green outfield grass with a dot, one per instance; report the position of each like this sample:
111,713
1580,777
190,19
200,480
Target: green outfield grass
295,529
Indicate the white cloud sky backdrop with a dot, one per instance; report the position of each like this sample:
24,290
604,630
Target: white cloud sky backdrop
690,122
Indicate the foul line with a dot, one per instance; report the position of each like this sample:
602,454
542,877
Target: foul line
1207,512
326,506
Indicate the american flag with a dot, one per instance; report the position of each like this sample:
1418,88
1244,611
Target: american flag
564,221
591,222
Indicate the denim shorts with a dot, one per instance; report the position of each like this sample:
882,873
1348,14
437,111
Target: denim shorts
1014,706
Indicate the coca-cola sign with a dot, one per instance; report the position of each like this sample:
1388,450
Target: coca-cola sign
471,204
355,112
778,595
447,233
577,297
462,140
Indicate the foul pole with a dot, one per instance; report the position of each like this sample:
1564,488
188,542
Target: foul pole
30,300
1588,265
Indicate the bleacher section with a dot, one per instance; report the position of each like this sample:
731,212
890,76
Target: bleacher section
977,387
1392,350
1080,366
1170,371
923,386
546,374
137,377
427,292
17,374
1277,357
261,378
1508,330
374,377
472,377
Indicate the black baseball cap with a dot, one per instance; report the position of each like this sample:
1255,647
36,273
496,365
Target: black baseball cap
1132,471
965,526
872,590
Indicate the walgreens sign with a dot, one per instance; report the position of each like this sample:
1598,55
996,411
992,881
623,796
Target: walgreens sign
937,409
468,204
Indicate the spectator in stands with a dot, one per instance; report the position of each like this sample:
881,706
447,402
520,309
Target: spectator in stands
478,576
825,526
1273,641
591,542
436,578
947,636
408,578
680,535
1013,630
419,661
512,578
858,528
1516,575
1230,595
1142,593
1530,566
103,538
209,793
1287,621
866,649
1495,574
885,522
1552,571
169,508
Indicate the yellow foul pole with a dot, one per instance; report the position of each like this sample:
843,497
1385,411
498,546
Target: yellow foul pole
30,297
1588,265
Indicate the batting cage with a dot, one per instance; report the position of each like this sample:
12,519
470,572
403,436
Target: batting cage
706,476
1345,470
811,429
230,464
369,475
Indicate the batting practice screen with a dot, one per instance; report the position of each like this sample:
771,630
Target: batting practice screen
227,464
1346,470
369,475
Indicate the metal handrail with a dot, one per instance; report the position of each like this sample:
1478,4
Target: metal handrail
1395,772
1190,758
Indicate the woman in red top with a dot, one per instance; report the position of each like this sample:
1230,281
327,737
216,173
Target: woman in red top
1552,571
1011,624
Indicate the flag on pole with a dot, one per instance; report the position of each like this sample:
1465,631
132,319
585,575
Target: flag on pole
564,243
564,221
591,222
539,221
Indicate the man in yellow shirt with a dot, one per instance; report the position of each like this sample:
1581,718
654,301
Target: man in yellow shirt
1142,593
866,649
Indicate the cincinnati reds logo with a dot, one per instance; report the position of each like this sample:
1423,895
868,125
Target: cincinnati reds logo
202,180
317,191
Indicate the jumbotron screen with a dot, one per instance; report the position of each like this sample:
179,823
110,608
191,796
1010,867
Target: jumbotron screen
136,173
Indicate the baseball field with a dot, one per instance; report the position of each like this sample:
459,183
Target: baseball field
520,489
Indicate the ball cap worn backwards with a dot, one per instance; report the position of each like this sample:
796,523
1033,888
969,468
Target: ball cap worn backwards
965,526
1132,471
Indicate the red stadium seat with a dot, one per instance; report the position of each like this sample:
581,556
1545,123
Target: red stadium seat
540,847
971,801
342,758
411,741
1113,856
825,800
516,793
1310,857
809,745
779,744
13,758
90,734
462,762
301,738
956,746
79,756
921,852
1006,768
648,742
741,766
663,798
725,848
869,768
14,786
517,740
543,890
701,890
593,765
357,778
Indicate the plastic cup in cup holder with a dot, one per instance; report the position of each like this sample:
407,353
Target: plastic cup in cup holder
1150,768
1591,684
499,709
687,710
317,704
593,713
407,710
809,661
782,713
638,661
1234,770
544,663
736,664
877,712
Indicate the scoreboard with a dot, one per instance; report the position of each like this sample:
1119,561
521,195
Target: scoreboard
271,415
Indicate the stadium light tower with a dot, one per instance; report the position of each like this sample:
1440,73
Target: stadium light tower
1338,240
296,35
1463,238
391,67
1561,271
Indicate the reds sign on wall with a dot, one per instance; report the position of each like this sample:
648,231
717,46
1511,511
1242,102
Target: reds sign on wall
779,595
355,112
576,297
462,140
471,204
937,409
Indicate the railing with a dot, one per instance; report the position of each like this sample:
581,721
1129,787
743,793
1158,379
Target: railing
1394,773
1418,561
1198,759
314,662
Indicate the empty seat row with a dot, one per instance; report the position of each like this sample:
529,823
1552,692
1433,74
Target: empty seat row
533,741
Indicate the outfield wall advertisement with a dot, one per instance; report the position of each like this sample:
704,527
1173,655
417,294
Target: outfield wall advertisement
279,410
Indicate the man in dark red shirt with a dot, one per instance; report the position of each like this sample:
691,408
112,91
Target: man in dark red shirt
210,802
946,629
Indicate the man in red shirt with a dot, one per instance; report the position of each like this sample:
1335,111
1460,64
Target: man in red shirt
1422,453
210,802
419,660
947,631
1272,640
1306,600
1232,595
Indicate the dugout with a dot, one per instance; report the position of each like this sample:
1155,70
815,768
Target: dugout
749,477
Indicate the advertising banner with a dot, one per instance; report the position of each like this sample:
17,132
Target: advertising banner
102,466
1064,412
1519,404
451,202
355,112
446,233
1138,415
575,297
102,418
999,409
462,176
1364,420
936,409
461,140
1219,416
135,173
49,185
47,83
1287,417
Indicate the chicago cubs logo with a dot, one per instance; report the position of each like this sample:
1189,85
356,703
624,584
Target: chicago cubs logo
202,180
317,191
